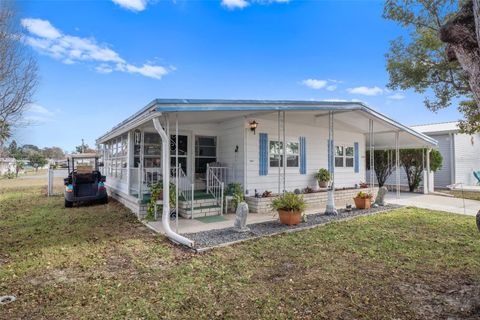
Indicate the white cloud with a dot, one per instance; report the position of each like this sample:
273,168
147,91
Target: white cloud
104,68
396,96
240,4
329,85
72,49
235,4
37,114
315,83
366,91
146,70
41,28
133,5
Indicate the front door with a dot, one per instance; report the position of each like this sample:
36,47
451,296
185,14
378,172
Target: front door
182,152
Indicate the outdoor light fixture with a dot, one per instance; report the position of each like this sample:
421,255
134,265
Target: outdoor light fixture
253,126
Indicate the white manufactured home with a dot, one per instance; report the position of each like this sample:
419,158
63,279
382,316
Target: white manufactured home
460,151
277,146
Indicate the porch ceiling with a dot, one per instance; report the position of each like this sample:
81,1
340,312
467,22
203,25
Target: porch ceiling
346,120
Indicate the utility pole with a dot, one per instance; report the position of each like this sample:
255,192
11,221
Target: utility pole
83,147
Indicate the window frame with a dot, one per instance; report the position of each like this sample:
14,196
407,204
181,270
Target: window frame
344,156
281,160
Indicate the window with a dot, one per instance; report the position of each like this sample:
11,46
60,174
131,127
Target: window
291,152
344,156
116,157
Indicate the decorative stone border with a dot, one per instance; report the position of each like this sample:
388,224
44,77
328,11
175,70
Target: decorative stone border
316,200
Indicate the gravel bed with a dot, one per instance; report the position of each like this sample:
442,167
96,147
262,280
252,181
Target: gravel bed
217,237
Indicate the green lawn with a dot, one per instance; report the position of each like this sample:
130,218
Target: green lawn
472,195
99,262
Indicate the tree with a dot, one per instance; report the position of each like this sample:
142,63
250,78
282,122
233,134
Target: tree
461,33
5,133
19,165
37,160
412,162
384,164
84,148
424,62
53,153
18,69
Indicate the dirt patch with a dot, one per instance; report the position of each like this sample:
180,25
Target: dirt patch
448,299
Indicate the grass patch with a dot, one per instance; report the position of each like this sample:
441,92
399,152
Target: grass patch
471,195
99,262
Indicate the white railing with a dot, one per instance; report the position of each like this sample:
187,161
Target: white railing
186,188
224,174
215,186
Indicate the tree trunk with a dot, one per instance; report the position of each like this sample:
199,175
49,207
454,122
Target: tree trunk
462,34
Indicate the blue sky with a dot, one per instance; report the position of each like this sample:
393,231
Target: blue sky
100,61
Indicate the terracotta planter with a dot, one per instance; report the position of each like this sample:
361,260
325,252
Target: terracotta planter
323,184
362,203
290,217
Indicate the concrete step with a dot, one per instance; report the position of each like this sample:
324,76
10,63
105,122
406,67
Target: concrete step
200,211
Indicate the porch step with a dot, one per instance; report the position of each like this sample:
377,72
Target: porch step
200,211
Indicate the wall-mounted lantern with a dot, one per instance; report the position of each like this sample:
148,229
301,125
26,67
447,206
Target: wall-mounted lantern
253,126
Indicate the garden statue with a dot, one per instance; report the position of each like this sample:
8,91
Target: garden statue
380,199
240,224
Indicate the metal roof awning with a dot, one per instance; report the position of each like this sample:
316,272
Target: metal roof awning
353,116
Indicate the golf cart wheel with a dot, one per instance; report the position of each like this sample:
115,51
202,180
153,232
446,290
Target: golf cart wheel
104,200
68,204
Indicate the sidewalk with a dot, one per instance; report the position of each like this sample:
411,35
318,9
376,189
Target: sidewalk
436,202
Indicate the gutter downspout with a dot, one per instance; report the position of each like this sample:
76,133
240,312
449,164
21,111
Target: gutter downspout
166,182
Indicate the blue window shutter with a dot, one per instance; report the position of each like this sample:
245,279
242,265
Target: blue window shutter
263,161
303,156
356,160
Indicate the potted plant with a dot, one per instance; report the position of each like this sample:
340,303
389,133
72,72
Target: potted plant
290,207
323,177
363,200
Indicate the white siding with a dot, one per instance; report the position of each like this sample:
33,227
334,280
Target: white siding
443,177
230,136
467,158
316,142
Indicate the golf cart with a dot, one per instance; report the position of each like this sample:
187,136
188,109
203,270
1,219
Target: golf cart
84,181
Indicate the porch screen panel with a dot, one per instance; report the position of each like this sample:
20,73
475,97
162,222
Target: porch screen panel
356,154
263,154
303,155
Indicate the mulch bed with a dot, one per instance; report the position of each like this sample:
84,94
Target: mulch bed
218,237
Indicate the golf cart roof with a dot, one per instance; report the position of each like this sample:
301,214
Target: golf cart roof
83,156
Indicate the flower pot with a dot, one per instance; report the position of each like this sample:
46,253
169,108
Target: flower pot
323,184
290,217
362,203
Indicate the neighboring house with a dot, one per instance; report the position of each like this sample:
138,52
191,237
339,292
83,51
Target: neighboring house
461,153
7,165
223,141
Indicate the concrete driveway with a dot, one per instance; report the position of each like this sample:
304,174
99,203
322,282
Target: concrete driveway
436,202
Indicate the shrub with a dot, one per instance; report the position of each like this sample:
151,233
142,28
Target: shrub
364,195
322,175
289,202
156,190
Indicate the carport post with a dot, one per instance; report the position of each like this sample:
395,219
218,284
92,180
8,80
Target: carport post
397,165
427,182
331,160
372,154
176,172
